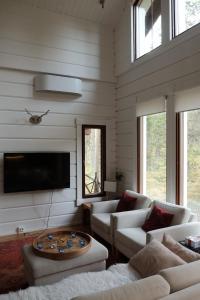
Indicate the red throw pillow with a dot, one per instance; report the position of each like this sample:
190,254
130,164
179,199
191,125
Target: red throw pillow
159,218
126,203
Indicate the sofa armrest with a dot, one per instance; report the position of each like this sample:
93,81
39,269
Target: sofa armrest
178,232
104,206
126,219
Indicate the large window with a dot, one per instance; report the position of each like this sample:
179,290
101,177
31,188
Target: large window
186,14
189,159
148,31
152,155
93,156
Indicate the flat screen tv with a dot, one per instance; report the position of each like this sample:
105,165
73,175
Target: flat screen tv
36,171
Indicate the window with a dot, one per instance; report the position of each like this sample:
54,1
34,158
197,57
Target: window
148,24
189,159
186,14
152,155
93,160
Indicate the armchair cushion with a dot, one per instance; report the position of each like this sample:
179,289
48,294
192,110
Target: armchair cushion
126,203
159,218
153,258
183,252
131,238
102,221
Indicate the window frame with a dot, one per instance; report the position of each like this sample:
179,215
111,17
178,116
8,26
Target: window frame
142,153
103,159
110,129
174,24
134,31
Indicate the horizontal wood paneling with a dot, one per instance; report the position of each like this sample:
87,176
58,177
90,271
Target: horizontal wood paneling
40,41
56,132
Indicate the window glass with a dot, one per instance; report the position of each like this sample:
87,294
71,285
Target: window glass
190,160
187,14
93,160
148,26
153,156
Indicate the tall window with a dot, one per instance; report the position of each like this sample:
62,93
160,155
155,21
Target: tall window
94,155
189,159
186,14
148,26
152,153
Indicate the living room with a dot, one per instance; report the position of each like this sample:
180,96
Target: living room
97,70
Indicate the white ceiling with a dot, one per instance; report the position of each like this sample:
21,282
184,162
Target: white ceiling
85,9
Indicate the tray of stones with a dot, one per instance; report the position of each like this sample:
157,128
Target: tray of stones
62,244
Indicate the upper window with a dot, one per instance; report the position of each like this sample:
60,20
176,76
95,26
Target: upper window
148,31
186,14
93,162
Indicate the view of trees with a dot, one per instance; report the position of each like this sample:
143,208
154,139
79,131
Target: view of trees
193,161
92,161
156,156
188,14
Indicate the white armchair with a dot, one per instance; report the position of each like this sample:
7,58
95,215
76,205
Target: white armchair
101,215
129,237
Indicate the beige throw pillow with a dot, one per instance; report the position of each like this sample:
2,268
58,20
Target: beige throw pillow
183,252
153,258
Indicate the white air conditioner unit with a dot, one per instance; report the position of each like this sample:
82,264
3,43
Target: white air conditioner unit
58,84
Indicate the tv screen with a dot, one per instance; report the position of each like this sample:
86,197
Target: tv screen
36,171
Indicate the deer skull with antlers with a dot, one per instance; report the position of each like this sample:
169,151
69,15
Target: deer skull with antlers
35,119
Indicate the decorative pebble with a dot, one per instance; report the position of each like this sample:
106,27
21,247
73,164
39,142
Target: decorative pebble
61,250
50,236
39,246
73,235
81,243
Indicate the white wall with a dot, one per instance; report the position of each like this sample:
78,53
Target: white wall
171,67
33,41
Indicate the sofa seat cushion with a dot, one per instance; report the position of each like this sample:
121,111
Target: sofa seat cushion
132,238
102,221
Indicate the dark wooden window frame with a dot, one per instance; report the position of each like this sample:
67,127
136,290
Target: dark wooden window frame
139,120
103,159
178,157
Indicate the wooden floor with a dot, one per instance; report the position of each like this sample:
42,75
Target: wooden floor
34,233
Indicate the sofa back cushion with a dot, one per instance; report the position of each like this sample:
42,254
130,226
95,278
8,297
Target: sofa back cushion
181,214
182,277
183,252
159,218
151,288
153,258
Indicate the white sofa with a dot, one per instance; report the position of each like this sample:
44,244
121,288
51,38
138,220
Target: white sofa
101,214
129,237
177,283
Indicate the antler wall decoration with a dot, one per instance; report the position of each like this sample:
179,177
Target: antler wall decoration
36,119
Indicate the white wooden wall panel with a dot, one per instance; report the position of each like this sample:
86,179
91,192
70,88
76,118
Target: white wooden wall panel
37,40
57,132
162,72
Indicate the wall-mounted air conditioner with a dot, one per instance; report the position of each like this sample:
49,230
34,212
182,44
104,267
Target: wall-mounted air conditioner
58,84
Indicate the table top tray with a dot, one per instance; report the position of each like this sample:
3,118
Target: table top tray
62,244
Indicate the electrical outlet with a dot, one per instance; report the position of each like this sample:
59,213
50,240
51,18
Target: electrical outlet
20,229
